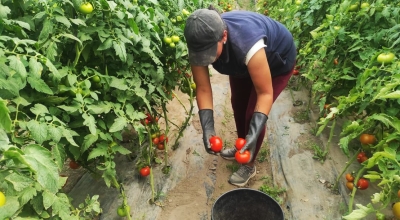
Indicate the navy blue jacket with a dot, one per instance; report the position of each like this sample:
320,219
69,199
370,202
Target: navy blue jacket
245,28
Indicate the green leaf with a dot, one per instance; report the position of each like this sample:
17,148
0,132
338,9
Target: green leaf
100,150
121,150
19,181
106,44
11,85
90,122
72,37
133,25
360,213
39,158
39,109
27,194
393,95
78,22
38,131
68,134
88,141
4,11
62,206
46,30
39,85
118,83
58,152
48,199
5,120
63,20
118,125
100,108
120,50
10,208
53,69
70,109
55,133
4,141
17,65
35,67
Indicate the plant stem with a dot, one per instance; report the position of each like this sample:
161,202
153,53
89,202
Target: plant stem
344,170
353,193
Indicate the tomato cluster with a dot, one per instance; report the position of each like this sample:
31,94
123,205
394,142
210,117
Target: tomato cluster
159,141
361,157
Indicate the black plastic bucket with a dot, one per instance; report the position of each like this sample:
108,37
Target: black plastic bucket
246,204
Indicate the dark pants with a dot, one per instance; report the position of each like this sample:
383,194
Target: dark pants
244,98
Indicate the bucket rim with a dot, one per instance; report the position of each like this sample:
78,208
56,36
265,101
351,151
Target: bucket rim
246,189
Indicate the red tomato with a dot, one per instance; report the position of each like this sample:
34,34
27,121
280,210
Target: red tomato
240,142
362,184
349,177
145,171
163,138
242,158
149,118
216,143
74,165
361,157
156,140
295,72
160,146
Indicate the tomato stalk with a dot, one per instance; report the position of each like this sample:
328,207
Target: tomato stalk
353,158
328,144
166,133
353,193
150,156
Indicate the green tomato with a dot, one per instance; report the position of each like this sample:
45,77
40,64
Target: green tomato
353,7
172,45
96,79
179,18
2,199
167,40
121,211
385,58
364,5
337,28
173,20
185,12
86,8
298,2
329,17
175,39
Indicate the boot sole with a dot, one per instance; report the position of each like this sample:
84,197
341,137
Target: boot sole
243,184
228,158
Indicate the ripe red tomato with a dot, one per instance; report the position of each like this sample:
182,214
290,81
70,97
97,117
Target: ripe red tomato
163,138
361,157
73,165
350,185
295,72
145,171
367,139
240,142
349,177
362,184
216,143
156,140
335,61
242,158
160,146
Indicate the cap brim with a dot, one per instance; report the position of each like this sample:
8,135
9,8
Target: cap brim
203,58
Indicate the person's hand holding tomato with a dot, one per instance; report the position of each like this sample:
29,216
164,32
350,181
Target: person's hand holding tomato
257,124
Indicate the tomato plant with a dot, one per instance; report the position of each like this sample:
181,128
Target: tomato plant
2,199
145,171
242,158
239,144
362,184
216,143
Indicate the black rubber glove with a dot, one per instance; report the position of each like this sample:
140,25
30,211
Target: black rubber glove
207,124
257,123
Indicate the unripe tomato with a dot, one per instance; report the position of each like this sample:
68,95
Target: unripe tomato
172,45
396,210
96,79
349,177
242,158
398,193
167,40
216,143
122,212
86,8
362,184
175,38
240,142
350,185
367,138
2,199
385,58
145,171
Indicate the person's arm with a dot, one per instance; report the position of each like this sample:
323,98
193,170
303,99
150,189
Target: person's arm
203,87
261,77
205,104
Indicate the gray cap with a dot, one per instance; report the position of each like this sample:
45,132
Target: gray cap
203,30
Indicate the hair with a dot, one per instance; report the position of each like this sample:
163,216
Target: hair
211,7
